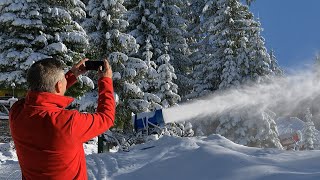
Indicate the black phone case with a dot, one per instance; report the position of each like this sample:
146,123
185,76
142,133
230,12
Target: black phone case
94,65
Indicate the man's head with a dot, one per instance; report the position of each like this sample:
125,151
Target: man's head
47,75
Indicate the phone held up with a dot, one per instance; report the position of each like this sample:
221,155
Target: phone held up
94,65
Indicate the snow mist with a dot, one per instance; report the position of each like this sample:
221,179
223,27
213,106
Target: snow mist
284,95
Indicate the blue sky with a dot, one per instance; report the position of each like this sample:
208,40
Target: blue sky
291,29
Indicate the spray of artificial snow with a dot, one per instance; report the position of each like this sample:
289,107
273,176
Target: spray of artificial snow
284,94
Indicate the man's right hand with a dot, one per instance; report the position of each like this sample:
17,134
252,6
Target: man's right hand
79,68
107,72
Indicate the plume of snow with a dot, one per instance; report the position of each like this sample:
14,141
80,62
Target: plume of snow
283,94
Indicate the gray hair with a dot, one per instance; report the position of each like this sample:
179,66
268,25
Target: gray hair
44,74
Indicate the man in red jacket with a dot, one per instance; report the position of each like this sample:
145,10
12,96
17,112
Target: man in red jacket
48,138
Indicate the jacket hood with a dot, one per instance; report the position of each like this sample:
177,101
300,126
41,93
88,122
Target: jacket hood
47,99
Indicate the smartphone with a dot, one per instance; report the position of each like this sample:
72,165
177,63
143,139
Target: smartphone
94,65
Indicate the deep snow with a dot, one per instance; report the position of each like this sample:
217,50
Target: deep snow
212,157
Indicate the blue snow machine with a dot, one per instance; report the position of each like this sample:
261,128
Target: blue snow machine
148,122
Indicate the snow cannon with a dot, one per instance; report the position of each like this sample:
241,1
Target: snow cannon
148,122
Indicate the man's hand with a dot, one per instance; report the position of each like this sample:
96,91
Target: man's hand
79,68
107,72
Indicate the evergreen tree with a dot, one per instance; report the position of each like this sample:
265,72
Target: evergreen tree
66,38
274,66
240,47
22,38
160,21
107,27
309,131
207,70
233,50
250,127
35,30
149,83
141,25
192,12
249,2
168,89
259,60
233,53
143,29
172,29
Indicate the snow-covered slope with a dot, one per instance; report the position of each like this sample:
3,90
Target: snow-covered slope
212,157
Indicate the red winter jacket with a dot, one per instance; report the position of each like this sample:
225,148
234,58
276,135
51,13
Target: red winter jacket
49,139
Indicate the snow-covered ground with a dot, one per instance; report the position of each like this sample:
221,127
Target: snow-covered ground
212,157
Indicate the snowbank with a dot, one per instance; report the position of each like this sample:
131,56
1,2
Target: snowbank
212,157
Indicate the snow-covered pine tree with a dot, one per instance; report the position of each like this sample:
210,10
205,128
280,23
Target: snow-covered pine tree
143,29
107,28
274,66
259,59
233,47
236,54
192,12
249,2
65,37
141,26
21,39
161,21
168,90
149,84
234,22
309,132
34,30
172,29
181,129
77,10
207,69
250,127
